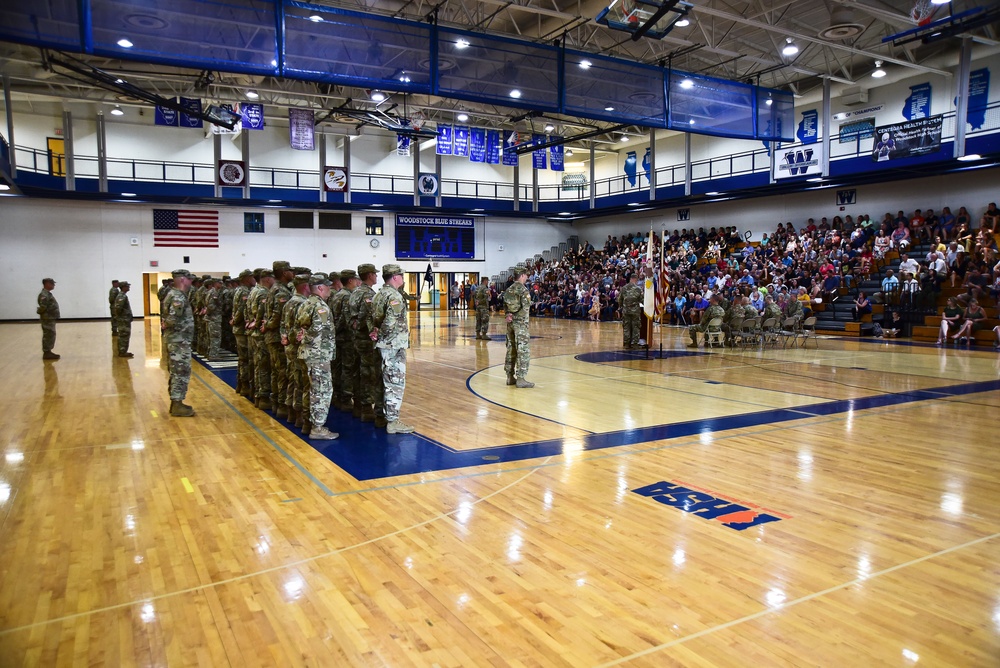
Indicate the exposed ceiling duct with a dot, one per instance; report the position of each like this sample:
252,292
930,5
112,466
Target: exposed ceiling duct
842,24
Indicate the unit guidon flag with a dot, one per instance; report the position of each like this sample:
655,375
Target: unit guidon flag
190,228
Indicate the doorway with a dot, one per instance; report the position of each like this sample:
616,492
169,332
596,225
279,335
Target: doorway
57,155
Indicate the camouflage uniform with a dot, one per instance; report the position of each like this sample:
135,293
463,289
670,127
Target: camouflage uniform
213,321
772,310
48,310
482,300
161,294
277,296
369,371
298,385
112,296
255,312
225,308
733,320
179,321
197,303
122,321
345,375
517,302
713,311
793,308
317,349
244,365
389,315
630,301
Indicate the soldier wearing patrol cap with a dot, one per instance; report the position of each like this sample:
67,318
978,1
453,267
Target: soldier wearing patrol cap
161,294
517,304
389,315
177,322
123,319
225,309
197,297
277,296
237,318
317,348
212,308
48,312
369,366
112,296
256,315
630,301
298,374
346,364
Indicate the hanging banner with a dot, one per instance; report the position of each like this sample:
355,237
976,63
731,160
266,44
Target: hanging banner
904,140
918,104
510,140
801,161
538,157
335,179
556,155
253,115
979,94
444,139
301,129
164,116
219,130
477,145
492,147
808,131
191,119
461,146
403,144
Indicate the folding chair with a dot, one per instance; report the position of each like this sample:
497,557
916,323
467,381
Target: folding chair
789,331
769,332
809,332
714,336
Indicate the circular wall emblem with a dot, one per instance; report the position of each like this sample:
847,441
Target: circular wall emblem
335,178
231,174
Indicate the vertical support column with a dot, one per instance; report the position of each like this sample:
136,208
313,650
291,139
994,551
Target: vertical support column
652,164
102,153
687,164
245,153
962,96
322,167
534,187
347,168
437,170
10,125
593,172
827,123
517,185
416,173
216,157
68,141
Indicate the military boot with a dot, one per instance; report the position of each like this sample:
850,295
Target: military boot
292,415
282,411
323,434
358,408
180,409
300,420
522,383
264,403
398,427
380,421
306,426
367,414
50,356
511,380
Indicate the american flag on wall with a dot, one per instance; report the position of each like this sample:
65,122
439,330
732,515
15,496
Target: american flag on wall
191,228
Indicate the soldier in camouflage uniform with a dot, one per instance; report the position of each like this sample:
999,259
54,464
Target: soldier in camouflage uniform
256,313
749,312
713,311
212,301
630,302
277,296
112,296
793,307
517,304
318,347
48,312
369,363
481,298
345,386
237,318
177,321
123,319
226,302
297,374
195,298
772,310
337,365
389,315
161,294
733,318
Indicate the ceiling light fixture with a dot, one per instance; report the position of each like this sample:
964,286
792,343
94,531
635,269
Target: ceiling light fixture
683,23
585,64
515,94
404,77
117,111
609,108
4,186
879,72
549,128
970,157
569,152
462,117
315,18
687,83
125,43
252,94
624,138
940,2
462,44
377,96
789,49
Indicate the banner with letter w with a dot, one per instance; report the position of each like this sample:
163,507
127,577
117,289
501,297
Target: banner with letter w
804,160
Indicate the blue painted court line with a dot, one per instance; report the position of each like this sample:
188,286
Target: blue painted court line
367,453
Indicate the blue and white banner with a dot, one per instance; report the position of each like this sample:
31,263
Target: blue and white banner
253,115
918,104
492,147
461,146
556,155
403,144
808,131
415,220
301,129
979,97
164,116
444,140
510,140
538,157
800,161
428,184
191,119
477,145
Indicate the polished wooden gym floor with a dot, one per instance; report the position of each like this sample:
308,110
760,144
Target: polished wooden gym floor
834,505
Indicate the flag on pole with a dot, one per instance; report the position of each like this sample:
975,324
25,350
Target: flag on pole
649,298
662,287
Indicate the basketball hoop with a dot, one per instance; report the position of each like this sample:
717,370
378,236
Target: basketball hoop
922,12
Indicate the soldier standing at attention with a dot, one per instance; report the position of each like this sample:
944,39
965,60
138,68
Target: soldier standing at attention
225,308
194,298
392,339
213,317
255,314
347,354
369,364
713,311
277,296
112,295
517,304
244,366
161,294
318,348
48,311
630,301
297,385
122,319
482,300
177,322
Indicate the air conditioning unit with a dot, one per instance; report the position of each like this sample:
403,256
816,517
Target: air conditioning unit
854,95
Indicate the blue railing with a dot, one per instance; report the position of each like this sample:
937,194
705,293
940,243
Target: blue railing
736,164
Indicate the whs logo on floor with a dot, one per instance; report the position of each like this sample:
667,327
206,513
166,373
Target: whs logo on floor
729,512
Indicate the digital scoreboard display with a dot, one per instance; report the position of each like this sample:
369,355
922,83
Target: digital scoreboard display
435,237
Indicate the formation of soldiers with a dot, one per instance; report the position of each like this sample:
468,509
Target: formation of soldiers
734,313
306,342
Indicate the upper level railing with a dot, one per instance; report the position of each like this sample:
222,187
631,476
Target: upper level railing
842,146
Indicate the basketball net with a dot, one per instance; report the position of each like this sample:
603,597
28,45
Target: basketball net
922,12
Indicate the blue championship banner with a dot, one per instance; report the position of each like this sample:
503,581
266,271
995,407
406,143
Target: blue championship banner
420,236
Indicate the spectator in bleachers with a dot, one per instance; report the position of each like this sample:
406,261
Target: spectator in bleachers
900,237
862,306
950,319
972,319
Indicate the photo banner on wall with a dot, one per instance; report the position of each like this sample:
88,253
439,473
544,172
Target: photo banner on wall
905,140
301,129
799,161
477,145
444,140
